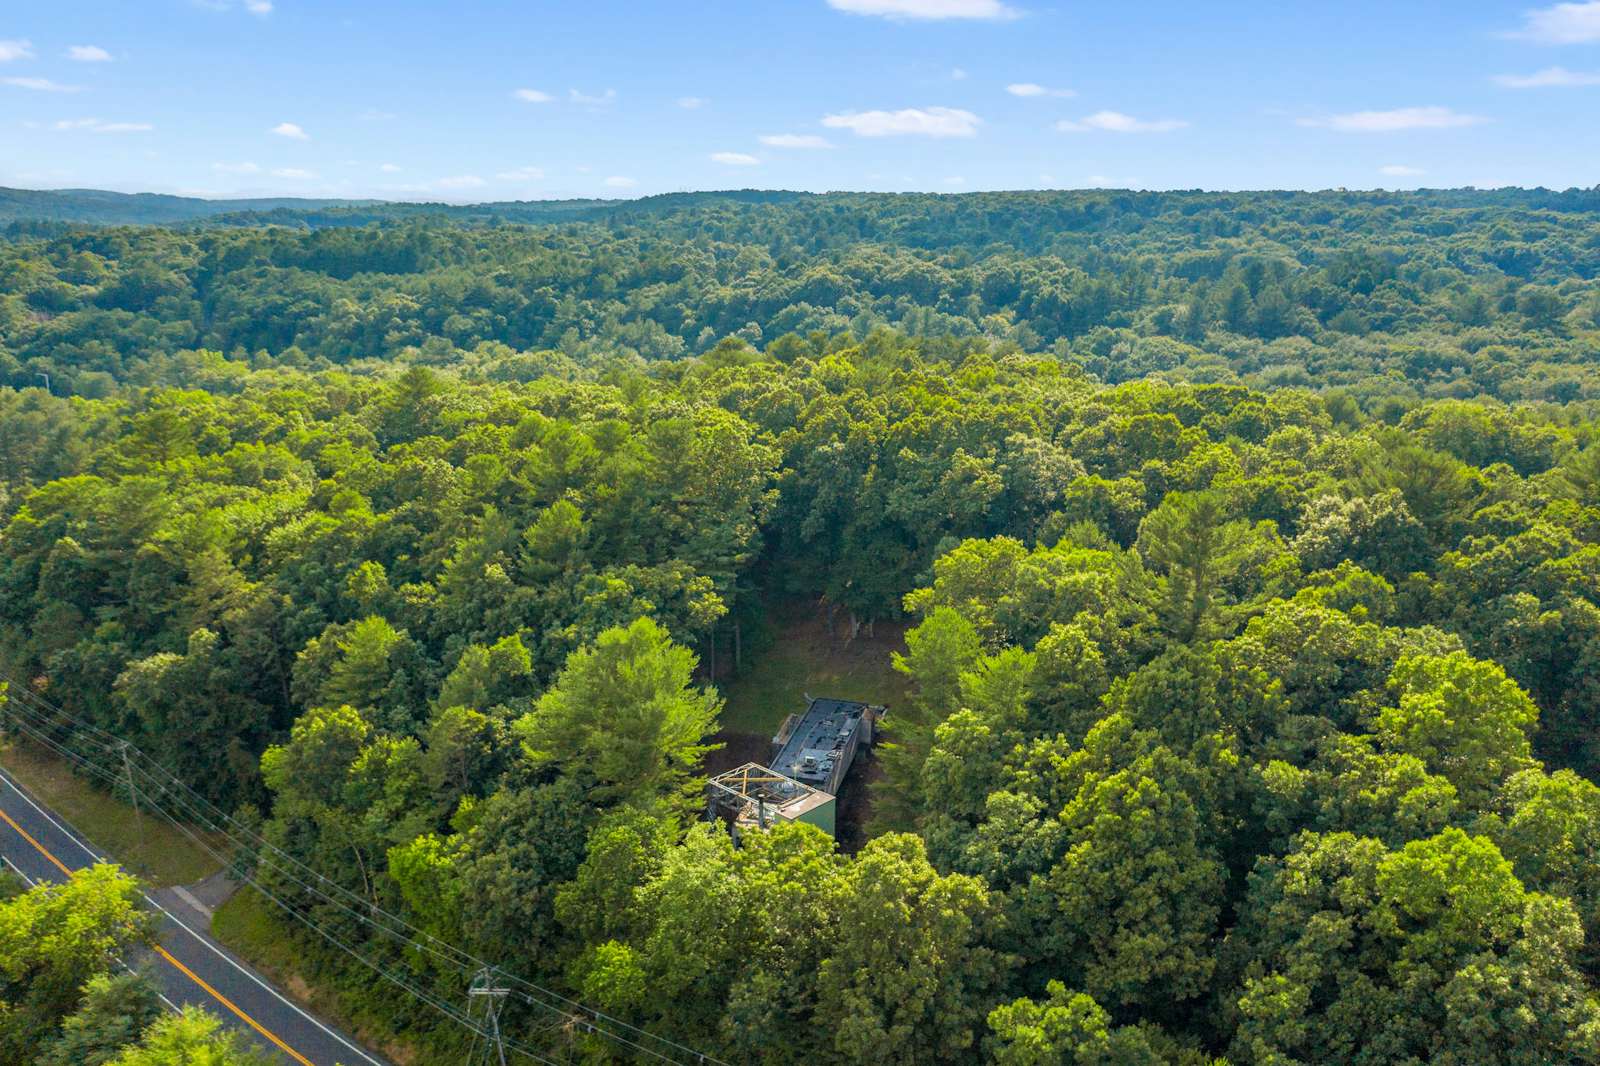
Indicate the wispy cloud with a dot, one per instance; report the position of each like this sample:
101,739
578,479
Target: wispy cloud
10,50
735,159
795,140
255,7
1117,122
373,114
1403,118
1548,78
617,181
290,130
605,99
236,168
461,181
533,96
692,103
94,125
1400,170
88,53
912,121
40,85
927,9
957,74
1561,24
293,174
521,174
1028,88
388,168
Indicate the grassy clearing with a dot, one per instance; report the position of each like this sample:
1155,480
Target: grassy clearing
166,857
254,929
802,658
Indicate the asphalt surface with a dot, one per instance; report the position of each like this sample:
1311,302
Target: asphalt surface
191,968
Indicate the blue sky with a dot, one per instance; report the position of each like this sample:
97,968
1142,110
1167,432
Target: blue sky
478,100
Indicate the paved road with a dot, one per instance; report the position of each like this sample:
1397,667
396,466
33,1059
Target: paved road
191,968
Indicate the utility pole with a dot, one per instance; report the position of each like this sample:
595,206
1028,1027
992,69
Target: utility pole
133,793
492,995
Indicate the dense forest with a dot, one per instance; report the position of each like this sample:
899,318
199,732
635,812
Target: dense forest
1414,295
1248,545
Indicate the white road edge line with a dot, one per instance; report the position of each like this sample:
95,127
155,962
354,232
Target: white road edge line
219,953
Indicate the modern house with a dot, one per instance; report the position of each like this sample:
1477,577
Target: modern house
812,753
753,796
817,747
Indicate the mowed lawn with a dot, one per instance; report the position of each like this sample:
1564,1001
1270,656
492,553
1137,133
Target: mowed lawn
146,844
803,658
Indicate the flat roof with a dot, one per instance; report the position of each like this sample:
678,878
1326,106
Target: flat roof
818,740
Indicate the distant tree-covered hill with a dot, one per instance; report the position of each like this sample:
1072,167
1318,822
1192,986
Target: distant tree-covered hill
1433,293
99,207
102,208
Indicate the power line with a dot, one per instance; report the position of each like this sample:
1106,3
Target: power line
455,956
197,807
38,731
251,845
386,974
595,1026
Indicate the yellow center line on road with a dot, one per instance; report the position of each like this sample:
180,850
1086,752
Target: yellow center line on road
165,954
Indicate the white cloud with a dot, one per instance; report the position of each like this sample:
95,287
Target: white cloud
533,96
236,168
372,114
955,179
41,85
1404,118
918,121
617,181
1117,122
88,53
10,50
926,9
958,74
795,140
94,125
1561,24
461,181
603,100
1400,170
1548,78
520,174
692,103
1028,88
735,159
255,7
293,174
388,168
291,131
